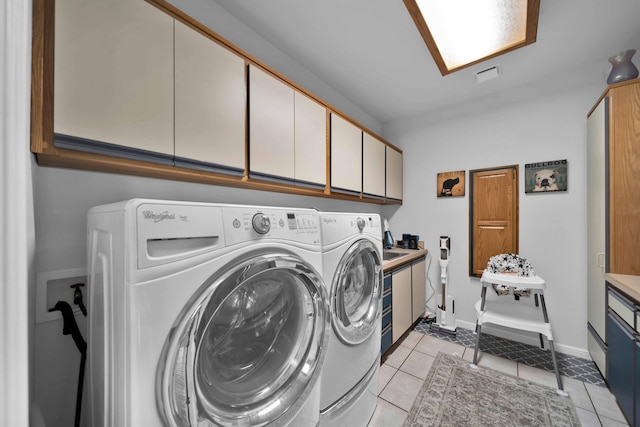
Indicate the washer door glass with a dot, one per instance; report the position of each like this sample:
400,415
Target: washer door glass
356,292
247,350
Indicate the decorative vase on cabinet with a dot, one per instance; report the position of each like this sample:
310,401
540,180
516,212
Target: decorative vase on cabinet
622,67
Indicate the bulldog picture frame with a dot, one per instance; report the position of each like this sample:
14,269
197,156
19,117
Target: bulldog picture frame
545,177
450,184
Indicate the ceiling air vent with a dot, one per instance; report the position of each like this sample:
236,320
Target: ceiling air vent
487,74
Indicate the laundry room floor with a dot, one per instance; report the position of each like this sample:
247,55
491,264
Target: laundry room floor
405,369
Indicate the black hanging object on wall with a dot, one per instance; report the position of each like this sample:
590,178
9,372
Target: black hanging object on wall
70,327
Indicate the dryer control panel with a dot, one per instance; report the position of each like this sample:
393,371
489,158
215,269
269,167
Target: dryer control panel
245,224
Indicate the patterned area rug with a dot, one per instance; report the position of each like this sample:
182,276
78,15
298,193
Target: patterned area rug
454,394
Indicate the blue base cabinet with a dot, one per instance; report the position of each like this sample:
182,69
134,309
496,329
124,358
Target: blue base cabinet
621,363
387,332
623,353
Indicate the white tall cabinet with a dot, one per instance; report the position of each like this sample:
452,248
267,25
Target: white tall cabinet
113,79
613,212
210,104
597,142
346,156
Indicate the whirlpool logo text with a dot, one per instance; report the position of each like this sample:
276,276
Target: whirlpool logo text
158,216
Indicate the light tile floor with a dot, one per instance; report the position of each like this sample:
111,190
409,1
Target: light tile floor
405,370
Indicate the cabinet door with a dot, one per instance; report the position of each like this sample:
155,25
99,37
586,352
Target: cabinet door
620,363
113,76
346,156
394,174
210,104
271,128
401,318
624,180
373,166
418,288
310,141
596,219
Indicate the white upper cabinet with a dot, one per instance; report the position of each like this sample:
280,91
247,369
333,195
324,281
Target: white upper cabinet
346,155
271,126
210,104
394,174
113,75
310,141
373,166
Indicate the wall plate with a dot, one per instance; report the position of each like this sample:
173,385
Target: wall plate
54,286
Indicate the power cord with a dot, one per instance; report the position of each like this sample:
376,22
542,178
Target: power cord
429,316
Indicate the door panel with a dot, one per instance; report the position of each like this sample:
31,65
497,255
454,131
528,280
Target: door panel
494,213
597,141
356,293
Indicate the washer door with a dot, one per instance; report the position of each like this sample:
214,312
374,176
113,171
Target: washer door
247,349
356,292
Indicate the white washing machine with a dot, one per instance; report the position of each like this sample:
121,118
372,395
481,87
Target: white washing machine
352,271
204,315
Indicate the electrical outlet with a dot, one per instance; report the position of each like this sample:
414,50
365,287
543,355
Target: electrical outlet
54,286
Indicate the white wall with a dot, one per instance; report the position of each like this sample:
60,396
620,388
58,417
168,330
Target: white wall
552,226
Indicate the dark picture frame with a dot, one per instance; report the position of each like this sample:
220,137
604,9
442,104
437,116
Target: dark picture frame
546,177
451,184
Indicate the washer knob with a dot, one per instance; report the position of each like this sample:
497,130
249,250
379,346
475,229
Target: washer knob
261,223
361,224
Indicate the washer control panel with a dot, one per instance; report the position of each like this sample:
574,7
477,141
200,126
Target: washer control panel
244,224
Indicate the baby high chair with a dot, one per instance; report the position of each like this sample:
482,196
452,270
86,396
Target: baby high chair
512,274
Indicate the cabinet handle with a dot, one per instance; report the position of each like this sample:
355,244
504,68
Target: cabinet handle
600,261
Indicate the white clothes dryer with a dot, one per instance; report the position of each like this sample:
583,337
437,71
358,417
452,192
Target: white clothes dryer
204,315
352,271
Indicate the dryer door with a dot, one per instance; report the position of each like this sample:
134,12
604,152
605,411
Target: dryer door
247,349
356,292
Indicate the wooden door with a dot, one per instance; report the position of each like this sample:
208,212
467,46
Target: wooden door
624,179
494,215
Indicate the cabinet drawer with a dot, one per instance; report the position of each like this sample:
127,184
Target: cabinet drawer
622,306
386,340
386,300
386,317
387,281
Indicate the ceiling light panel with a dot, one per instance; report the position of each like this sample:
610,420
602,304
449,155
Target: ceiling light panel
463,32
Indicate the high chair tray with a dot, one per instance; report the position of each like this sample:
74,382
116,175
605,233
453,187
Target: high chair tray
512,280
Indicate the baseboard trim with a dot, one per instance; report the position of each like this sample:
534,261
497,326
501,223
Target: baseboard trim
582,353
